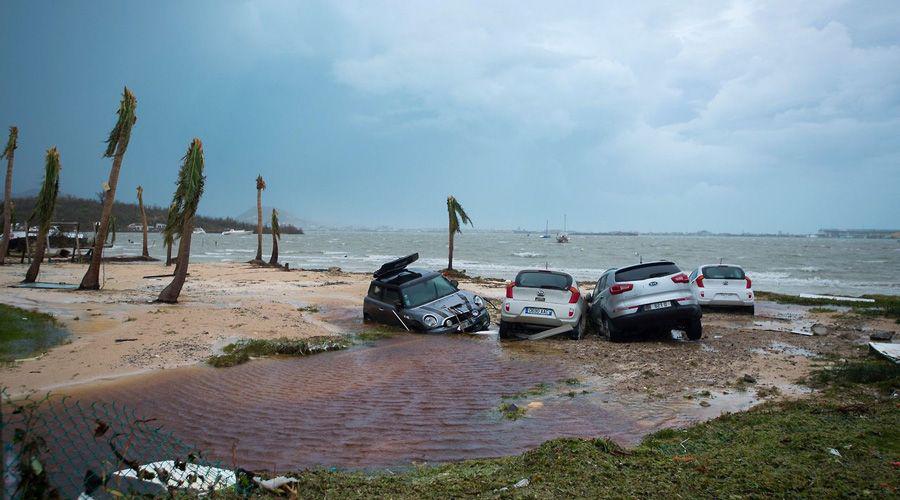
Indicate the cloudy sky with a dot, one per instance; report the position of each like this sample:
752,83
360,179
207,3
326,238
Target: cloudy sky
725,116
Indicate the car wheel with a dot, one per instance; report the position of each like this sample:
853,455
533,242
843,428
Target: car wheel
612,332
505,332
695,330
367,318
578,331
751,310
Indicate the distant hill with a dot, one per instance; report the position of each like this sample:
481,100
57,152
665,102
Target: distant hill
284,217
86,212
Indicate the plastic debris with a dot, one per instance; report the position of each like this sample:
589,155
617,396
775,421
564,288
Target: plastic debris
274,484
834,452
889,351
522,483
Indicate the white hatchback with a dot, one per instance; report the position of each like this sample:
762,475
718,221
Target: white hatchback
540,300
722,285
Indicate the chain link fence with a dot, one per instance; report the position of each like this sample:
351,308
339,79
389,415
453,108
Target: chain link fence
59,447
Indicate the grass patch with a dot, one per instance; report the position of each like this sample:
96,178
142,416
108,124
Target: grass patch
823,310
25,334
777,449
884,305
376,333
878,373
308,309
241,351
511,411
536,390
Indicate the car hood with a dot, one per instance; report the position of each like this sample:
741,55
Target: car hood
445,306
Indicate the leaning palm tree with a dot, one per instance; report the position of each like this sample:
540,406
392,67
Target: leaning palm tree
43,211
457,214
181,215
260,185
145,252
168,239
9,154
116,145
276,234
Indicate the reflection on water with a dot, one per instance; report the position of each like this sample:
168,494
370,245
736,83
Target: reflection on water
405,399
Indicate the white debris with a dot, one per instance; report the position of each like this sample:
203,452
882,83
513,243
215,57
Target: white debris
834,452
835,297
193,476
275,483
889,351
522,483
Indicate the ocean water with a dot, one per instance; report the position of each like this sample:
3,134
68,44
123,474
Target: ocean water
786,265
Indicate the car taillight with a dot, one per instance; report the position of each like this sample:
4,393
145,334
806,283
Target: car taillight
699,281
620,288
575,295
748,281
509,288
680,278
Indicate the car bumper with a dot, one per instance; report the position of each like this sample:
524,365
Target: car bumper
658,318
474,324
726,299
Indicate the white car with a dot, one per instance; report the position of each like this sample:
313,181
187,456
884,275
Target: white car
723,285
540,300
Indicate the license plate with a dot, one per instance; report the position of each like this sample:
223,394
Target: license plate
660,305
539,311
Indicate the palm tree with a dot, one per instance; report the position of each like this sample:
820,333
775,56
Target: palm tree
116,145
9,154
43,211
260,185
181,215
168,239
456,213
145,253
276,234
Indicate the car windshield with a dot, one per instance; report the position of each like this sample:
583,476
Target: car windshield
427,291
723,273
647,271
538,279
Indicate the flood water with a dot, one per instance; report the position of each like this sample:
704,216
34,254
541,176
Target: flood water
411,398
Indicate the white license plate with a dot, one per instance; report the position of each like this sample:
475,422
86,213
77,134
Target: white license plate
660,305
539,311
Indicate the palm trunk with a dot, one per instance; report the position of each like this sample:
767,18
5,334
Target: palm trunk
170,293
145,252
40,246
91,280
274,260
259,225
7,209
168,254
450,258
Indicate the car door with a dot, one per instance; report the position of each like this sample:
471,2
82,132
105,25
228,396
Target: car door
597,299
390,306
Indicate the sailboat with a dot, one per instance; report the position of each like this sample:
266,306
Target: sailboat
546,230
563,238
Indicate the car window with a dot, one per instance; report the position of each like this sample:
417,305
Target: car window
391,296
647,271
375,291
723,273
427,291
537,279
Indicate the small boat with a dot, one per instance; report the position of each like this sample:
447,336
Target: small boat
546,230
232,232
563,238
200,230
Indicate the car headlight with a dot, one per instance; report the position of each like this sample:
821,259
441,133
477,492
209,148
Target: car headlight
430,321
478,301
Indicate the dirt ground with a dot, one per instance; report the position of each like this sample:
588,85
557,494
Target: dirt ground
119,331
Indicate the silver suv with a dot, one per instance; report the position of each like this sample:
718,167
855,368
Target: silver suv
647,296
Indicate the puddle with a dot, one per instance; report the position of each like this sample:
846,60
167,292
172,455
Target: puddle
410,398
783,348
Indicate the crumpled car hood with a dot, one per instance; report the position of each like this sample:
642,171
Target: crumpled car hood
455,300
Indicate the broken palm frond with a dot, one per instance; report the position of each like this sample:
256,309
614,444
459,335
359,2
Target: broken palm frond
276,231
11,143
46,199
121,132
457,214
188,191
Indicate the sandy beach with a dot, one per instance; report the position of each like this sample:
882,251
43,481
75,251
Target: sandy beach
119,331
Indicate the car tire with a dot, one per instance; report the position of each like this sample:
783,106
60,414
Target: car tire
367,318
504,332
613,333
695,329
578,331
751,310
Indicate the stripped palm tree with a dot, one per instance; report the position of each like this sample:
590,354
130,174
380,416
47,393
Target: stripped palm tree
9,154
276,234
457,214
181,215
43,212
260,185
168,239
116,145
145,252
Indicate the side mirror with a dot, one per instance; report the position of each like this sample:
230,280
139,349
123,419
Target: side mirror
454,283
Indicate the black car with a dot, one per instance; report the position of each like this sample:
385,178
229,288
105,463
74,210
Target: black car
422,300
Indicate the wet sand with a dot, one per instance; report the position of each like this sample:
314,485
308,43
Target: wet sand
408,398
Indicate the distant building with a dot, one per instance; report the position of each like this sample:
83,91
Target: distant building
134,226
860,233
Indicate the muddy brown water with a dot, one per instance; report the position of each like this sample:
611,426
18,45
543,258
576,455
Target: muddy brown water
412,398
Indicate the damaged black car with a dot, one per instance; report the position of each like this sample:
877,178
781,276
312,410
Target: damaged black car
422,300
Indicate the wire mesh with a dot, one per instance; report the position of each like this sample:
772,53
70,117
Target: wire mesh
59,447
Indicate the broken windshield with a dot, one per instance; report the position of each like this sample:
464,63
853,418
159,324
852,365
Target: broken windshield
427,291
